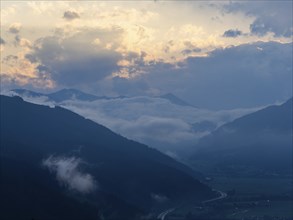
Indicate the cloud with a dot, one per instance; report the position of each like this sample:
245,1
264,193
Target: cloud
22,72
247,75
190,51
70,15
68,173
160,129
10,59
2,41
159,198
74,60
243,76
124,86
232,33
269,16
14,28
153,121
22,42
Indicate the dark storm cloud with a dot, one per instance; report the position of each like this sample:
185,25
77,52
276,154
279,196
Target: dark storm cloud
242,76
232,33
129,87
70,15
190,48
76,60
16,40
190,51
10,60
2,41
270,16
14,28
31,58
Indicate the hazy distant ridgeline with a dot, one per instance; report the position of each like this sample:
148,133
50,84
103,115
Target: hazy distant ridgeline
74,94
164,122
259,143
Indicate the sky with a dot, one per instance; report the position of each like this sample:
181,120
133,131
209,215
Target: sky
213,54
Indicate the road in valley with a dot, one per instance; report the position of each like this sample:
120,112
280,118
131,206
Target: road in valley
163,215
223,195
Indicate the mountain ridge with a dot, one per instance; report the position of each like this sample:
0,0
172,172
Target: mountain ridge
260,141
130,171
75,94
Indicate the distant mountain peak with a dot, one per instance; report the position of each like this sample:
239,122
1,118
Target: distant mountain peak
71,91
175,100
59,96
289,102
66,90
75,94
26,92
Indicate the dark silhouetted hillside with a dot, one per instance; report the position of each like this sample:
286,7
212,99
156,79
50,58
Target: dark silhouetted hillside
128,174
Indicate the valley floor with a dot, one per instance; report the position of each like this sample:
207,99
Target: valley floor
248,199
